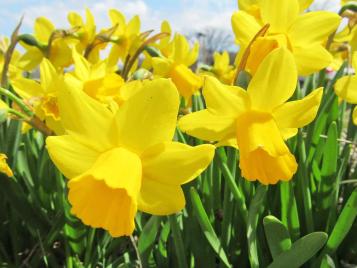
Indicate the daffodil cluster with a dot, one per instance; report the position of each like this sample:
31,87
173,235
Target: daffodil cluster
113,122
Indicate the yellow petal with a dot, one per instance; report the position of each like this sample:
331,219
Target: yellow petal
259,130
192,56
261,47
74,19
176,163
70,156
161,66
43,29
313,27
133,27
106,195
117,18
224,100
354,57
245,27
127,90
48,75
287,133
259,165
27,88
296,114
90,25
148,117
186,81
312,58
230,141
159,198
60,53
275,80
207,126
279,13
30,59
181,49
304,4
354,116
345,88
83,116
4,167
246,4
3,105
82,67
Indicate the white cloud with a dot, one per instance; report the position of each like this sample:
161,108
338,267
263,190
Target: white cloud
186,16
190,15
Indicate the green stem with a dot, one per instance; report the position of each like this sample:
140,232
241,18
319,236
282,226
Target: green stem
17,100
305,190
18,114
237,194
179,247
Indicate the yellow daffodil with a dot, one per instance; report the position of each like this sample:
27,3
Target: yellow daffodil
221,68
346,88
42,96
257,120
85,32
97,80
124,162
303,34
55,48
4,167
176,66
164,45
126,36
344,43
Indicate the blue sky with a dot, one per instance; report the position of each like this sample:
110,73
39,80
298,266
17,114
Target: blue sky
184,15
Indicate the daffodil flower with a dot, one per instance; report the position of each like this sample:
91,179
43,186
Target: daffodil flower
98,80
343,46
57,50
345,88
123,162
257,120
42,96
176,66
303,34
126,37
221,68
85,33
4,167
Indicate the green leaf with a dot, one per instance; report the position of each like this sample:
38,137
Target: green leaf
179,247
207,227
301,251
277,235
329,160
255,209
149,233
289,211
343,224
